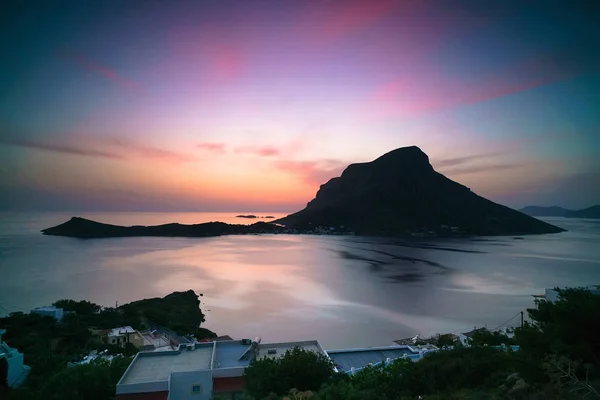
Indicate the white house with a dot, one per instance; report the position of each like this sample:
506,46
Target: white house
50,311
198,371
12,371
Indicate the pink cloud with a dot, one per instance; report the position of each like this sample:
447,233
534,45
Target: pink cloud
264,151
228,62
328,22
100,69
313,172
433,91
356,15
208,52
212,147
142,150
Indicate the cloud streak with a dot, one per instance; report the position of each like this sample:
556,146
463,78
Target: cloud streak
142,150
476,169
452,162
312,172
263,151
113,148
212,147
99,69
59,148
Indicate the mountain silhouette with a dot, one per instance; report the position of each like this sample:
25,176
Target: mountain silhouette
400,193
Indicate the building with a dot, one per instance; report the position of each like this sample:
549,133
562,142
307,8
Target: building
12,370
123,335
199,371
50,311
353,360
551,295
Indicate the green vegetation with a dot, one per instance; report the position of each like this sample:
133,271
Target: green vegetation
279,375
558,359
48,345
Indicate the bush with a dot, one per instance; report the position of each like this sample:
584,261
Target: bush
296,369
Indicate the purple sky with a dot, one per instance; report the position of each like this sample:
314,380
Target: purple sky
251,105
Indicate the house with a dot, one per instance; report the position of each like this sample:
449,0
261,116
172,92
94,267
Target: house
123,335
50,311
12,370
198,371
551,295
353,360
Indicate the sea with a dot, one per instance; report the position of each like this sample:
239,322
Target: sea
345,291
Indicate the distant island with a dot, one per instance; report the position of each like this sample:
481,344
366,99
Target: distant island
250,216
537,211
398,194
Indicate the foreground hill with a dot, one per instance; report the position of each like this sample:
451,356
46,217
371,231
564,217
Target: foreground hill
536,211
400,193
85,228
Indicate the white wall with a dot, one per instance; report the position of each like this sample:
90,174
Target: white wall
182,382
17,372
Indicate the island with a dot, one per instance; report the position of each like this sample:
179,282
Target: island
88,229
247,216
398,194
554,211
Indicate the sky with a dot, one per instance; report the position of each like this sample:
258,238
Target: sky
252,105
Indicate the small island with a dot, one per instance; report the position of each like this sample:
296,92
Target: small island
250,216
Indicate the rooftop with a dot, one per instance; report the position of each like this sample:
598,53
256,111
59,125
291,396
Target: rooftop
121,331
359,358
281,348
229,353
46,308
150,367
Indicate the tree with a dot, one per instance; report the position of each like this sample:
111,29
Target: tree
90,381
568,327
446,340
484,337
83,307
296,369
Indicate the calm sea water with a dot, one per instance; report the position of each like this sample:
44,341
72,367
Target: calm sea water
343,291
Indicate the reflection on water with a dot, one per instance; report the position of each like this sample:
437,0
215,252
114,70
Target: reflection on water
344,291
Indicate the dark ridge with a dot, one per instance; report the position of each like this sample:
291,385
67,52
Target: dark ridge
537,211
85,228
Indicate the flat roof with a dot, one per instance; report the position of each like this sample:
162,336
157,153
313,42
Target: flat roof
46,308
228,354
153,366
281,348
121,331
359,358
157,366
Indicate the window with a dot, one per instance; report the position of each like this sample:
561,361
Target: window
196,389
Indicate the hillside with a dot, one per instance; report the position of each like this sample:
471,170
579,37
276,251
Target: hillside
400,193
